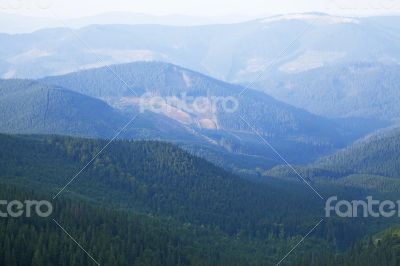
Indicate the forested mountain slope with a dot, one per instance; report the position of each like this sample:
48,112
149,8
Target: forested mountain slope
30,107
371,163
162,79
100,102
297,134
380,249
378,154
37,108
205,211
364,89
149,176
111,237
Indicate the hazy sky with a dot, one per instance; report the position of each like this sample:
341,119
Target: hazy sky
79,8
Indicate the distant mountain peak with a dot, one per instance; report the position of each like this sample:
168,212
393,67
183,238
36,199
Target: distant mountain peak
313,17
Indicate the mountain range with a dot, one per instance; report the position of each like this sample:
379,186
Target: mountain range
369,90
16,24
100,102
151,188
295,58
200,145
370,163
232,52
376,154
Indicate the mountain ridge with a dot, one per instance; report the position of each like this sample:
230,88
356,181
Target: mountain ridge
298,135
230,52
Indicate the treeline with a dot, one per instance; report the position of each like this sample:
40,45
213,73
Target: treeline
29,107
120,237
162,179
111,237
378,155
382,250
186,199
373,163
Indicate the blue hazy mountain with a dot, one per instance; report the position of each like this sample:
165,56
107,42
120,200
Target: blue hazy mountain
15,24
95,103
234,52
30,107
369,90
297,133
295,58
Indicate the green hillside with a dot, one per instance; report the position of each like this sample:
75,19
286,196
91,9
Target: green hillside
370,162
363,89
30,107
381,249
153,177
298,135
183,209
112,237
378,155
